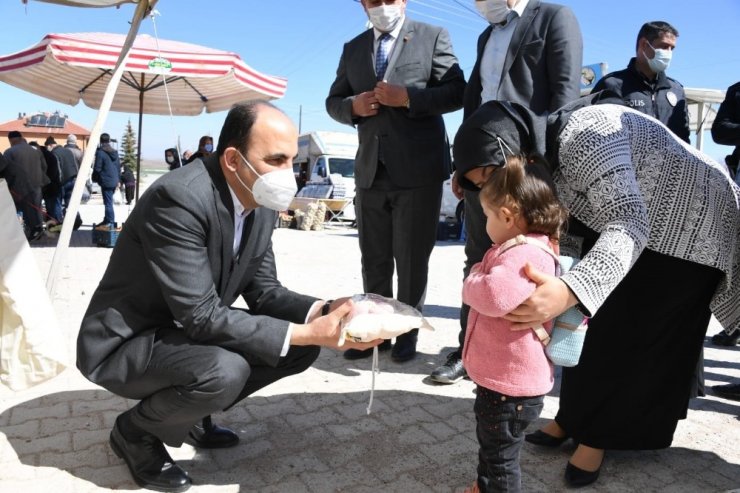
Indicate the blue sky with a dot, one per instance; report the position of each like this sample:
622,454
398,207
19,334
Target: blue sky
302,40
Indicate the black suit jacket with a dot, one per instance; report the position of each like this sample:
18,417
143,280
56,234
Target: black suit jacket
542,69
173,267
412,143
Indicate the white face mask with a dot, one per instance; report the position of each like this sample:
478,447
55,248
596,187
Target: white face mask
385,17
495,11
661,59
170,159
274,190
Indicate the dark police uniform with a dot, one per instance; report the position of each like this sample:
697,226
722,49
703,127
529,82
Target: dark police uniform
663,98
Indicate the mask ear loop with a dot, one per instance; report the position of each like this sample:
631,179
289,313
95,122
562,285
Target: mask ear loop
502,145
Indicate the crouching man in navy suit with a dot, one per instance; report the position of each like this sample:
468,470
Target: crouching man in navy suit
160,328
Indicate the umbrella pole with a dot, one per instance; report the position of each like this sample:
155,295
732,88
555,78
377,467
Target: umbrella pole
138,142
87,159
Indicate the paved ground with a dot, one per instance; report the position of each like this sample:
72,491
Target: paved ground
310,433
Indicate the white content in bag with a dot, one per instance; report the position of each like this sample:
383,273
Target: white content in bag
377,317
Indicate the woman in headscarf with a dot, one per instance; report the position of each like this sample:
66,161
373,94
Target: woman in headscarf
172,157
656,224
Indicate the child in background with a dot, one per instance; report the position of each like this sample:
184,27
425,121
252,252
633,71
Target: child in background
510,368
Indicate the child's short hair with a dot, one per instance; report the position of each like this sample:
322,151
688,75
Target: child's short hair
525,186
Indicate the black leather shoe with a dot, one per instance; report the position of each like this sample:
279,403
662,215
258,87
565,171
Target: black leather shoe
352,354
725,339
208,435
728,391
405,347
452,371
149,463
577,478
543,439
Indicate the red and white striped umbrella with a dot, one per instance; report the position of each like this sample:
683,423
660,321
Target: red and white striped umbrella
70,67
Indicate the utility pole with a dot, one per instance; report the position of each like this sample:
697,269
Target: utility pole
300,117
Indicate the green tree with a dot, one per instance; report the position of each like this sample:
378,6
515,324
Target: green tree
128,147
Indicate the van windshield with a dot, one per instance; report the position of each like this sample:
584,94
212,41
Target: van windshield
345,167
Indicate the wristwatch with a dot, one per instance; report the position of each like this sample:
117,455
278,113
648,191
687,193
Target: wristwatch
325,309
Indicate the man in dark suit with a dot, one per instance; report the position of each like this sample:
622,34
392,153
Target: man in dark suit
531,54
394,82
160,328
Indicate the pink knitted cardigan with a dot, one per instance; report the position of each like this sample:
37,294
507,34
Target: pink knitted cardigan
510,362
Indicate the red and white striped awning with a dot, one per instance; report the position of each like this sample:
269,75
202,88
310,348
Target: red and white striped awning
70,67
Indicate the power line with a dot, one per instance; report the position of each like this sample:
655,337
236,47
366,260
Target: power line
447,9
444,21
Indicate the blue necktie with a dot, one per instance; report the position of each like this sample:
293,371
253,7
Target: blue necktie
381,57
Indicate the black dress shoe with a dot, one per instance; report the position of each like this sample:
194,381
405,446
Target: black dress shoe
543,439
149,463
405,347
728,391
208,435
352,354
576,477
725,339
452,371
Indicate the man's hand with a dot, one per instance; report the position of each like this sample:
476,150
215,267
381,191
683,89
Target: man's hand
551,298
391,95
457,190
325,331
365,104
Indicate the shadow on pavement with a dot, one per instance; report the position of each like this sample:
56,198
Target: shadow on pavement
412,442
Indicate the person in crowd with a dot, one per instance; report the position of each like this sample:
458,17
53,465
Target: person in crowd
403,157
531,53
107,173
510,368
26,175
205,148
726,131
655,265
169,337
128,180
69,166
52,191
186,156
69,184
645,87
172,158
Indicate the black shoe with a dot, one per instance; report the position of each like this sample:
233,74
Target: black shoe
149,463
452,371
405,347
577,478
352,354
725,339
728,391
543,439
208,435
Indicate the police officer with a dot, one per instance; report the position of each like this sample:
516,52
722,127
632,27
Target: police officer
644,86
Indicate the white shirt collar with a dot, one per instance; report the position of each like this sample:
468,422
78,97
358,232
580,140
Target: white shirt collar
239,210
519,7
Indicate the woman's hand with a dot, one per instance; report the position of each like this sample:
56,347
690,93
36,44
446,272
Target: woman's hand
551,298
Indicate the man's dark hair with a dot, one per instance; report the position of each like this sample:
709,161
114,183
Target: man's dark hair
654,30
14,134
104,138
238,126
50,140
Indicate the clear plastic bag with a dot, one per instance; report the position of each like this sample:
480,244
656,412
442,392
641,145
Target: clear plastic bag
377,317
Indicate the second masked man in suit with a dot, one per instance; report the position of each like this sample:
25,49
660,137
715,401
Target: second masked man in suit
531,54
394,83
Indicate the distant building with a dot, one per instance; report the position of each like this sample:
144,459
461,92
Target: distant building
39,126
